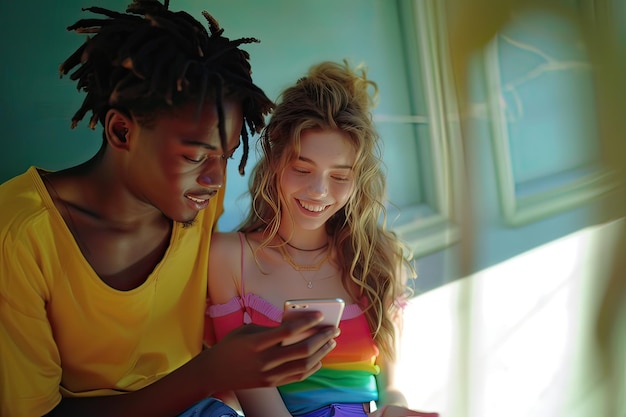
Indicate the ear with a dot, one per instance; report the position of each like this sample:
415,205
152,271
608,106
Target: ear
118,127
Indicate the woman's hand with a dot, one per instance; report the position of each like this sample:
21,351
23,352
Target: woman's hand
398,411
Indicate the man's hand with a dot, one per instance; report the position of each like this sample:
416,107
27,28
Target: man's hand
252,356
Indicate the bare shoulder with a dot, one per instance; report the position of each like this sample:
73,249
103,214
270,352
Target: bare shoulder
224,249
224,261
224,241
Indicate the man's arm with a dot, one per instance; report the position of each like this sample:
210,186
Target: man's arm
251,356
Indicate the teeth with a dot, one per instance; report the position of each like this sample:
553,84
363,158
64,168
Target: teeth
196,200
311,207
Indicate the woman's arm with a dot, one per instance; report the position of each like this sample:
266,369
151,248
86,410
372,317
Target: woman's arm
388,392
224,281
224,267
262,402
391,401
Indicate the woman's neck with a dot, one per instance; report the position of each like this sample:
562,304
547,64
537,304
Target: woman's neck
304,240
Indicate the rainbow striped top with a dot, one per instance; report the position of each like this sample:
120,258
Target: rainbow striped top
348,371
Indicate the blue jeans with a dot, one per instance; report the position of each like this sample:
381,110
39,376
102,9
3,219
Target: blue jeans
209,407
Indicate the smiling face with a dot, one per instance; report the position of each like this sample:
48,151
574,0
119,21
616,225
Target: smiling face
320,181
176,164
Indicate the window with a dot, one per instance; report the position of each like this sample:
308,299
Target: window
427,161
541,106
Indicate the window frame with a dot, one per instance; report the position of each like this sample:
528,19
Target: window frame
519,210
426,53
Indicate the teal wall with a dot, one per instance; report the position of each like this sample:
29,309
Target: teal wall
36,107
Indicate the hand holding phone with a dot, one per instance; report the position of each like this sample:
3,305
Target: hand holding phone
331,309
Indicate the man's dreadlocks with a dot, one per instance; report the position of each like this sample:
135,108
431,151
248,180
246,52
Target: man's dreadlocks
151,59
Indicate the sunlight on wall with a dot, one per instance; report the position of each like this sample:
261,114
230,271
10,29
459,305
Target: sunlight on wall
529,331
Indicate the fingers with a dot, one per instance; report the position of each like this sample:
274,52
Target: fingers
315,347
308,362
269,363
303,354
295,362
291,326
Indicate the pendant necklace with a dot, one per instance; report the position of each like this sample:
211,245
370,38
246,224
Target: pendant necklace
309,282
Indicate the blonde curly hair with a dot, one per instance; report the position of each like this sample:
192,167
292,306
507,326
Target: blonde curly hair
336,96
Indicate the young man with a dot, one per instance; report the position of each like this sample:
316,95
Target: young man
103,275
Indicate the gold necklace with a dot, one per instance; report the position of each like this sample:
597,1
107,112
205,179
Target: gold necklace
302,267
325,245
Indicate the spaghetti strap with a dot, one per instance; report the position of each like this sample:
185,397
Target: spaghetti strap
247,318
243,284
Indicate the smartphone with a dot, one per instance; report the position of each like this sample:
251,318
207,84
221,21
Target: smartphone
331,309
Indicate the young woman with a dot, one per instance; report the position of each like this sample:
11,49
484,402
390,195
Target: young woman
316,230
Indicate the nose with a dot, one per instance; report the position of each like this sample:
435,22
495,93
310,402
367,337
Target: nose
213,173
318,187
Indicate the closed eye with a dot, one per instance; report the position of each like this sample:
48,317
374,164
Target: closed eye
200,159
194,160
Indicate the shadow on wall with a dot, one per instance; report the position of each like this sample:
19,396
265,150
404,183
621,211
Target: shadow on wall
472,25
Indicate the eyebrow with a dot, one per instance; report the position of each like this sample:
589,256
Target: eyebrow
310,161
189,142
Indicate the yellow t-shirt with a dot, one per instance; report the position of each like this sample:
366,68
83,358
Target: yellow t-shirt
63,332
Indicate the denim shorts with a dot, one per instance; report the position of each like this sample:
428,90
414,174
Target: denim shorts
209,407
